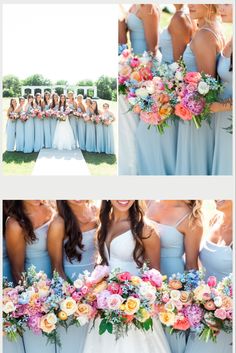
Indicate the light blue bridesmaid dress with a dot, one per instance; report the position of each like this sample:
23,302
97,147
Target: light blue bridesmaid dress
172,261
223,149
10,347
73,123
37,255
150,160
29,131
100,142
194,146
74,337
109,145
20,134
53,122
217,261
47,129
39,133
11,135
81,131
90,134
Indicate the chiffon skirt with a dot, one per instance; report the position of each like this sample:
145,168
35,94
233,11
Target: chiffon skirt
20,136
47,133
109,139
100,145
81,133
53,124
223,344
29,136
90,137
14,347
73,123
39,134
11,135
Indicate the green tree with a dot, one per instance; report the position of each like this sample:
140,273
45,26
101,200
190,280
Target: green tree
62,82
36,80
12,84
8,93
104,87
85,83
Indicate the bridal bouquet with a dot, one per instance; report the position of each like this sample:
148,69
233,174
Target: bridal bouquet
48,113
127,301
63,115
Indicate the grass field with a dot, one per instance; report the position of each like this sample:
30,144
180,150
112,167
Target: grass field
18,163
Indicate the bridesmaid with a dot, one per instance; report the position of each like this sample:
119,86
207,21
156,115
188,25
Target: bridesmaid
216,257
108,119
11,125
71,246
46,121
38,125
223,150
172,43
26,236
53,120
90,128
20,131
179,224
100,143
72,118
195,146
81,125
29,125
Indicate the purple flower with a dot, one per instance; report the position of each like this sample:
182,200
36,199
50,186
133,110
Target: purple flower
194,314
102,299
34,323
194,103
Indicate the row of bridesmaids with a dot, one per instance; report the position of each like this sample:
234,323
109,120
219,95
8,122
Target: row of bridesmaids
71,236
36,123
194,33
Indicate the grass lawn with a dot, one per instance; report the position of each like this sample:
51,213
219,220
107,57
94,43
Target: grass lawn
18,163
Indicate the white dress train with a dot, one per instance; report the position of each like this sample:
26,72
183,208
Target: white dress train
64,137
121,256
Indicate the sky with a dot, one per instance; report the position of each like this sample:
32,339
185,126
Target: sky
70,42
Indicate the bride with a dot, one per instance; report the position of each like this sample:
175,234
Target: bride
63,137
126,241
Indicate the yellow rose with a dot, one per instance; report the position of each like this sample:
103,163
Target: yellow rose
132,305
135,280
33,299
122,307
47,323
144,315
69,306
100,287
167,318
62,316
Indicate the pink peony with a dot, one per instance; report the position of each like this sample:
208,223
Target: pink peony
99,273
34,323
212,281
154,277
114,301
124,276
192,77
134,62
114,288
126,53
220,314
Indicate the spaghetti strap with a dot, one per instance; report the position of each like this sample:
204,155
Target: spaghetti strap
181,220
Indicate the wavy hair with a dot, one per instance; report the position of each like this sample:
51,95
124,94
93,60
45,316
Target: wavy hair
136,216
195,216
53,104
74,246
62,104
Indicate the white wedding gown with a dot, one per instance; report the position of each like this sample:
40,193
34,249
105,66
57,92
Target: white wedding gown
121,256
64,137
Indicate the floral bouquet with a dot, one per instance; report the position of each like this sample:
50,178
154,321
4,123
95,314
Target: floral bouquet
23,117
216,304
127,301
63,115
97,119
13,321
13,116
107,119
86,117
48,113
39,114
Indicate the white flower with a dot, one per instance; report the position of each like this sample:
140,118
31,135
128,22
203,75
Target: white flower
174,66
150,87
69,306
114,301
52,319
147,291
83,320
218,301
170,306
203,88
132,100
8,307
175,294
78,283
179,75
141,92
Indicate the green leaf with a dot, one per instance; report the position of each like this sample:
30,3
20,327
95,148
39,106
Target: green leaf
109,327
102,327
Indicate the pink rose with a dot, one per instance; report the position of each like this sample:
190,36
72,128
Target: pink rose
211,281
134,62
99,273
124,276
114,301
114,288
150,118
183,112
154,277
192,77
191,87
220,314
126,53
165,298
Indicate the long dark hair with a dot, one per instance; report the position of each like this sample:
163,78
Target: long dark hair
36,100
44,97
53,100
231,62
31,96
136,215
16,211
11,104
64,104
73,246
96,109
6,205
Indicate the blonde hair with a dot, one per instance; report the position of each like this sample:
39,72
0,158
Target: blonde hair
195,217
212,9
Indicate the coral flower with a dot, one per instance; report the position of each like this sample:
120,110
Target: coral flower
183,112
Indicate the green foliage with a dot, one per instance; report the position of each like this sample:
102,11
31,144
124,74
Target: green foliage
62,82
106,86
8,93
36,80
85,83
105,326
59,90
12,85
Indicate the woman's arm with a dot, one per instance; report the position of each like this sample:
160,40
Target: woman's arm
224,106
16,245
122,32
152,246
8,112
180,35
55,245
149,16
192,240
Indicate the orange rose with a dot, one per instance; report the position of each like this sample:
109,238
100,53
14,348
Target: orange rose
135,76
184,297
84,309
100,287
183,112
227,303
165,111
175,284
163,98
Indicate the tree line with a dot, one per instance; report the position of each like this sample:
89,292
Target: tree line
106,86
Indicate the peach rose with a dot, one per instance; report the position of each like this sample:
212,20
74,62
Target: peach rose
48,323
227,303
100,287
183,112
184,296
165,111
136,76
125,70
167,318
84,309
132,305
136,109
175,284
